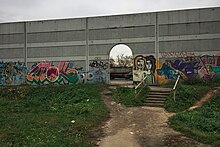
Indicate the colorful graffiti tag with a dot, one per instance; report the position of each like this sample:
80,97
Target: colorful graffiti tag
64,73
93,76
209,67
98,71
12,73
205,67
172,69
99,64
144,67
46,73
177,54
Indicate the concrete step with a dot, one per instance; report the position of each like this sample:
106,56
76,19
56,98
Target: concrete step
154,104
157,96
160,89
159,93
156,99
162,92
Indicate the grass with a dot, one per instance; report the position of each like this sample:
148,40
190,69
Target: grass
128,97
50,116
186,96
215,82
202,124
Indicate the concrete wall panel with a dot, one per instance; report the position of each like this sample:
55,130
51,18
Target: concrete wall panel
189,28
11,53
209,27
188,16
142,48
121,21
190,45
56,25
209,14
11,39
56,51
96,50
11,28
116,33
56,36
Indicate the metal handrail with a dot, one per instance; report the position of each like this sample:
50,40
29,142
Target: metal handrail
137,93
174,88
177,80
140,82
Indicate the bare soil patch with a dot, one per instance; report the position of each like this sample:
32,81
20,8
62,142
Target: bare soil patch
205,98
140,127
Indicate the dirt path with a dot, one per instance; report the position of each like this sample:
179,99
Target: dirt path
140,127
205,98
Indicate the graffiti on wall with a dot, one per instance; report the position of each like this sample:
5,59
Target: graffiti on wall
99,64
209,67
93,76
205,67
98,71
45,73
12,73
172,69
144,67
65,73
177,54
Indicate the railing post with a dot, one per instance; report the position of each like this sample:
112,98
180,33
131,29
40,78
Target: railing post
174,88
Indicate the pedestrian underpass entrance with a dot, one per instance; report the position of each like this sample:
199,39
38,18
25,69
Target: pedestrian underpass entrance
121,64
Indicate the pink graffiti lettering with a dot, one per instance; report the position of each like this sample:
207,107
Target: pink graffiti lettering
177,54
52,73
212,60
206,64
46,72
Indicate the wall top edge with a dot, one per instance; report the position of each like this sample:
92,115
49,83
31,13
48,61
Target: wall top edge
114,15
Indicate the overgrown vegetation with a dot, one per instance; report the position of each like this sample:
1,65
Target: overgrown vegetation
202,124
201,82
50,116
128,97
186,96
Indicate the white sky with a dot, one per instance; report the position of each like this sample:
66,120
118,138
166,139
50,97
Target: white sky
119,50
23,10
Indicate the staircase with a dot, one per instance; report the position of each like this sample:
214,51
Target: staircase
157,96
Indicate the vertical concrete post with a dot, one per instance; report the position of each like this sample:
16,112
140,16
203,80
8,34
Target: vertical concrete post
25,48
87,50
25,43
156,43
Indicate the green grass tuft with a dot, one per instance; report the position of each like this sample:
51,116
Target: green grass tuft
128,97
